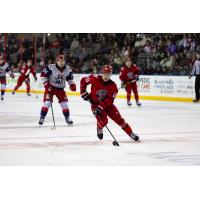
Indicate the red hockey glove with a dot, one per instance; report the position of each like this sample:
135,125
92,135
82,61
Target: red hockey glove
72,87
85,96
98,110
47,86
12,75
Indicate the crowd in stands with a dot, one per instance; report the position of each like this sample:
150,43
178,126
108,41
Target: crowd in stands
155,53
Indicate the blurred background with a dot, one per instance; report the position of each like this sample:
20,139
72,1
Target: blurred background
155,53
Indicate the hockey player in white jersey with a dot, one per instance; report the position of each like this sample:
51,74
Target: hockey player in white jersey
4,68
54,79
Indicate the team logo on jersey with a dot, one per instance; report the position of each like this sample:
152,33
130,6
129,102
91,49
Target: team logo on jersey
101,94
130,75
59,79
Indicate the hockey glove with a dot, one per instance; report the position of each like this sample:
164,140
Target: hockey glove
123,85
26,81
137,78
12,76
98,111
72,87
85,96
47,87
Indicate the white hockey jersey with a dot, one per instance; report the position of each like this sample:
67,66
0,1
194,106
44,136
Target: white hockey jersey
4,68
57,77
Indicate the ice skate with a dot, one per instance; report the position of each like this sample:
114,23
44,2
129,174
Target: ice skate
100,133
69,121
138,104
134,137
195,101
13,92
28,94
2,98
41,121
129,103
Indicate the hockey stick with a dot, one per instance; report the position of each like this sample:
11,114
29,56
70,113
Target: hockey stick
36,95
127,84
115,142
27,81
53,116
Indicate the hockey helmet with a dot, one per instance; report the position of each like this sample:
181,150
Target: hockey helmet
60,57
107,69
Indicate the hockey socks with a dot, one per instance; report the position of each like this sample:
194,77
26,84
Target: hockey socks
100,133
2,94
66,114
43,114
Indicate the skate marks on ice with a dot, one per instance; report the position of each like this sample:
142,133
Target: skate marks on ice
49,126
173,157
32,145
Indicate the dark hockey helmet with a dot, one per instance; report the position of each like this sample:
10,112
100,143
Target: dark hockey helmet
107,69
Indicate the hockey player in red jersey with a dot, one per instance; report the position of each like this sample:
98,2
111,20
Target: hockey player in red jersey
103,93
129,74
54,79
4,68
25,71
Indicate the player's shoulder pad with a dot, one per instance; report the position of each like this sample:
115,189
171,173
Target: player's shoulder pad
122,68
48,69
135,66
93,76
51,66
112,83
68,68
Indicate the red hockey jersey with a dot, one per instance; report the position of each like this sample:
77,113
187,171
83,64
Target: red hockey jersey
129,74
102,93
26,70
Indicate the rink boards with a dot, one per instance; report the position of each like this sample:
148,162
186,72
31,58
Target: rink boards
163,88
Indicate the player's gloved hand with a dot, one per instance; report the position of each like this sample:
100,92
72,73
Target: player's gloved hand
35,78
123,85
137,78
85,96
12,76
98,111
26,80
72,87
47,87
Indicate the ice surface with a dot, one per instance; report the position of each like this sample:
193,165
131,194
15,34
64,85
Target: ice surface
169,131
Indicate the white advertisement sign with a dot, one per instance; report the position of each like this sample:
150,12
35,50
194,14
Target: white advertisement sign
167,86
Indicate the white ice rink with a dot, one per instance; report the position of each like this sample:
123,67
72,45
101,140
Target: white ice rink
169,132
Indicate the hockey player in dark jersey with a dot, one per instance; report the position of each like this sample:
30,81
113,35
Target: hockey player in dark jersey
54,79
4,68
103,93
